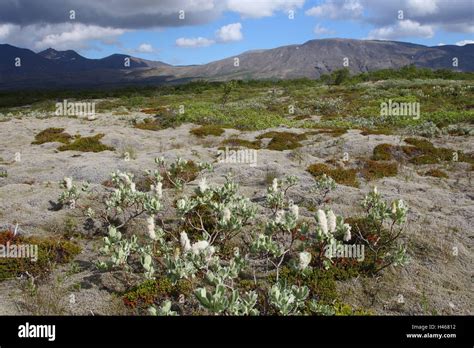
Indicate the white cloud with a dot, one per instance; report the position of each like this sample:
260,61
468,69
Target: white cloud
194,42
145,48
63,36
320,30
464,42
422,7
262,8
230,32
402,29
337,9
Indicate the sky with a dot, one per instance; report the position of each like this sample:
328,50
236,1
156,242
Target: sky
182,32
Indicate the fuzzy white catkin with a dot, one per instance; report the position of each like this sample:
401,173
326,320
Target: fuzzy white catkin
295,210
226,214
203,185
159,190
331,221
68,183
151,227
322,221
197,247
185,243
347,234
275,184
304,259
279,216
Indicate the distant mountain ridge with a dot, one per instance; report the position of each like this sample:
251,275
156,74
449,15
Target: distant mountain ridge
57,69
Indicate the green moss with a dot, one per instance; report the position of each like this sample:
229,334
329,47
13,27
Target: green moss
86,144
51,135
155,291
281,141
345,309
429,153
322,283
373,170
382,152
436,173
51,251
347,177
236,143
377,131
424,159
148,124
302,117
206,130
422,144
410,151
334,132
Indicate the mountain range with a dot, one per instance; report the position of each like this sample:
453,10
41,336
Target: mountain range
68,69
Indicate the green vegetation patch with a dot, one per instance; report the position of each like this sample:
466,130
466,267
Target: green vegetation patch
334,132
148,124
347,177
236,143
52,135
383,152
437,173
86,144
155,291
281,141
373,170
429,153
206,130
376,131
50,251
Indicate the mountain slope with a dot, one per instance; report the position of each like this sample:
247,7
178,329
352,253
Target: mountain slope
51,68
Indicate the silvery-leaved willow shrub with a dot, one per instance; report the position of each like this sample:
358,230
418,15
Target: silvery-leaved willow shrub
71,192
216,213
386,225
331,232
288,300
322,186
277,241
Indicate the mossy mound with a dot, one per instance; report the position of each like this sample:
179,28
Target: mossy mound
148,124
52,135
347,177
373,170
50,251
281,141
155,291
86,144
207,130
437,173
236,143
383,152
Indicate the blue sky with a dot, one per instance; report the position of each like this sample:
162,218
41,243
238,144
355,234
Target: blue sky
215,29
